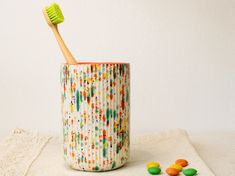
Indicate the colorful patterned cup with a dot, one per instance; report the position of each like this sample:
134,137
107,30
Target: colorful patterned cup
95,110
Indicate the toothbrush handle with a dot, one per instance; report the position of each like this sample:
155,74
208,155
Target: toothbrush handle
67,54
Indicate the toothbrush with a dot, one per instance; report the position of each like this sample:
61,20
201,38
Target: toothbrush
54,16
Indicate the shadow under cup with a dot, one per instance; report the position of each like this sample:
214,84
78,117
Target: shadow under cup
95,111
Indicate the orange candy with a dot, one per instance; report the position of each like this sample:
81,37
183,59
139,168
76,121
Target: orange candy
172,172
182,162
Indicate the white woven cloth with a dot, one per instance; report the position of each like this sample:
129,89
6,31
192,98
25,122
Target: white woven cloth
27,153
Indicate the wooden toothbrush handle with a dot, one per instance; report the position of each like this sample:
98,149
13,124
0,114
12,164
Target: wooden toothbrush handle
67,54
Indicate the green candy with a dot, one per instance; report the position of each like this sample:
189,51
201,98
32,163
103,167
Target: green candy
154,170
190,172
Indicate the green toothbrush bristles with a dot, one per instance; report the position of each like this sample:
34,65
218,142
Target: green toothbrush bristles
54,13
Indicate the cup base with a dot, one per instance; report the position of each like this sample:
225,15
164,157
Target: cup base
100,170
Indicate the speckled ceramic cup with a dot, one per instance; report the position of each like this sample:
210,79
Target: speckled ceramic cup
95,111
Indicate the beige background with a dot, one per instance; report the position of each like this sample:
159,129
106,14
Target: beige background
182,55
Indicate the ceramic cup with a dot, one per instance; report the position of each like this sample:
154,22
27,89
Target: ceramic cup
95,111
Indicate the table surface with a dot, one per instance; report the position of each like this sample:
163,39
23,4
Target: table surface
217,149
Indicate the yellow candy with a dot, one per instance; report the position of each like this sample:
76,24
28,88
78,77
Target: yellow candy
177,167
153,164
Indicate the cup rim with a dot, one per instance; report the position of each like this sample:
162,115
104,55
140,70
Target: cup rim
95,63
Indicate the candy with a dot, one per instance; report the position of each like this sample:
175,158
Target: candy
190,172
172,172
182,162
176,166
154,170
153,164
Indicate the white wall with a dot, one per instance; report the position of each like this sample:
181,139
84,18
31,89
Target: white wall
182,55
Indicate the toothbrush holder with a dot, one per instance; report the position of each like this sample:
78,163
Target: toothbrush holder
95,100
